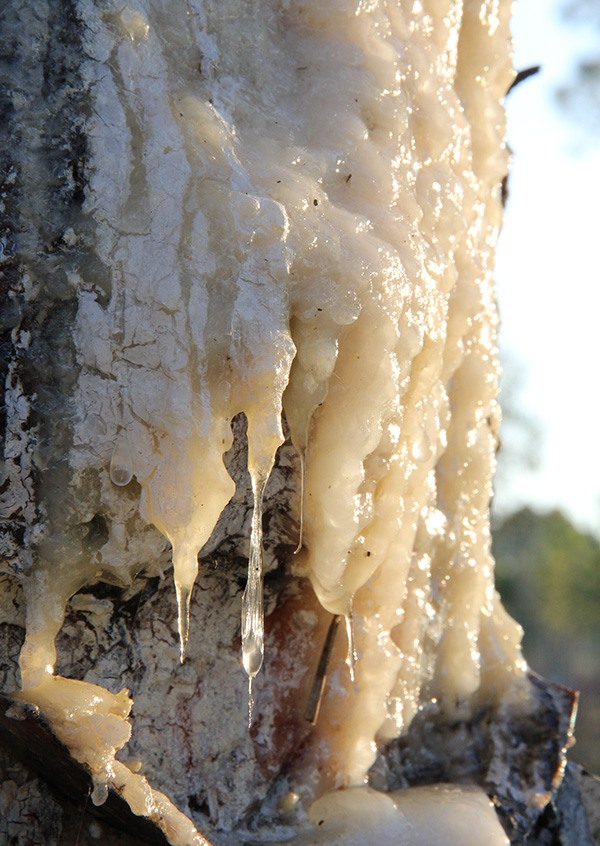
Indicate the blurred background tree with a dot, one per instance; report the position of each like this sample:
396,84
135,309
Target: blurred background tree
579,96
548,574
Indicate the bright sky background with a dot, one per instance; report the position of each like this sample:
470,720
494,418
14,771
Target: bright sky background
548,270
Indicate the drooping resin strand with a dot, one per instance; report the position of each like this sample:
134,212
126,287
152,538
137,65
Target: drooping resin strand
351,657
302,456
316,693
253,624
250,702
184,596
120,469
185,566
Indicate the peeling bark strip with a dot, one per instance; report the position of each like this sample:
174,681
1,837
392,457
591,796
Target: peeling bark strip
248,315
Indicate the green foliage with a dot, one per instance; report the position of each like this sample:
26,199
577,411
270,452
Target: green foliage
548,573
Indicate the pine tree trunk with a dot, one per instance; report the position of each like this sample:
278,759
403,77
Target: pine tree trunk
100,215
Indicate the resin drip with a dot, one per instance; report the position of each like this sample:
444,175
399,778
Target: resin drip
120,469
351,655
253,617
302,457
185,565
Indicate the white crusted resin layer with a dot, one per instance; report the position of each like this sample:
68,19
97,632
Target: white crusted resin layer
420,816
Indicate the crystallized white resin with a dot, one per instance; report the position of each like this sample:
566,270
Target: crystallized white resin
92,723
305,225
420,816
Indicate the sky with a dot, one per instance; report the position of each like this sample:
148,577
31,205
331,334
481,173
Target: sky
548,273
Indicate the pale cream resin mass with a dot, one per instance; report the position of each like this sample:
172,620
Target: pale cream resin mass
305,230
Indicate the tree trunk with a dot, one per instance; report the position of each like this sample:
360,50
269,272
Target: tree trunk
248,314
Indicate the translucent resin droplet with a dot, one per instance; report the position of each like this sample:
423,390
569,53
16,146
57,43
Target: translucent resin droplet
252,651
121,471
351,657
99,794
